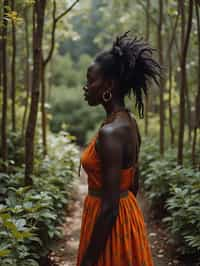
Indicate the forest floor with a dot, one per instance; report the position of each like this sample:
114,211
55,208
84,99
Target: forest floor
66,251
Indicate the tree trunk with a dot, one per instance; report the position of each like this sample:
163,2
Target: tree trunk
162,82
185,43
168,57
188,105
197,102
5,89
44,65
1,18
39,12
43,111
170,103
1,74
147,39
13,72
27,70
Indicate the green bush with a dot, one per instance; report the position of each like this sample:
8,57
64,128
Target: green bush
70,109
184,214
30,216
174,193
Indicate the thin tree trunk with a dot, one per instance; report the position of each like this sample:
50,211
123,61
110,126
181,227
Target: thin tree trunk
44,65
172,132
182,89
39,13
13,72
197,102
1,91
169,58
185,43
27,70
162,82
147,39
188,105
1,19
43,111
5,89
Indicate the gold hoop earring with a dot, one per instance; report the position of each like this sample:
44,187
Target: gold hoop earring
107,96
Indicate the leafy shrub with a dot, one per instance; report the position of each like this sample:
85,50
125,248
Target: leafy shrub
174,193
30,216
184,209
76,114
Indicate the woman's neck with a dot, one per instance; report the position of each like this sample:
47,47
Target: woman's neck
114,106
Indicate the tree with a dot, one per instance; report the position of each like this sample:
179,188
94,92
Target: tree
197,101
27,67
162,83
13,70
185,42
147,39
38,24
45,62
5,87
168,57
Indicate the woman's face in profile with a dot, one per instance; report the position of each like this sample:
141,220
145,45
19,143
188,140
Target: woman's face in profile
95,85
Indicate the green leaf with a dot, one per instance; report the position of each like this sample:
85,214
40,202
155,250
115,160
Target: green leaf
4,252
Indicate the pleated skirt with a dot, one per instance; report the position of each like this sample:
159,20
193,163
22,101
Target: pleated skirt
127,244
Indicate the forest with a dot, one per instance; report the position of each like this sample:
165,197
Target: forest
45,49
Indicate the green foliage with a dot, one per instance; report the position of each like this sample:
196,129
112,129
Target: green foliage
174,193
67,104
64,72
77,115
87,24
30,216
184,219
15,139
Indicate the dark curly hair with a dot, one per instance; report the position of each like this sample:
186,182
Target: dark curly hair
130,62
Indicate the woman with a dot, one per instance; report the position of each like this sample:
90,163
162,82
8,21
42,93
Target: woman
113,231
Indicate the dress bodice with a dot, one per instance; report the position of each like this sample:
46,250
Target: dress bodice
92,165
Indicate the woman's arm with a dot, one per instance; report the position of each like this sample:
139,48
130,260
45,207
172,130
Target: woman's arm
110,152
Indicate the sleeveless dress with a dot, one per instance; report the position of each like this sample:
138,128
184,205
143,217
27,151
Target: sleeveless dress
127,244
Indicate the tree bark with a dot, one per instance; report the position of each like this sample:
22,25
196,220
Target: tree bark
162,82
27,70
39,13
5,88
197,102
1,61
13,71
185,44
188,105
43,111
169,58
147,39
172,131
1,18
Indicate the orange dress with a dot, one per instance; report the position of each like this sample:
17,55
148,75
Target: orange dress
127,244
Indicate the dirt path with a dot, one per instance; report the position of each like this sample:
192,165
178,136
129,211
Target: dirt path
67,248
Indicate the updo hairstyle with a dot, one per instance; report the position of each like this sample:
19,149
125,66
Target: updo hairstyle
130,62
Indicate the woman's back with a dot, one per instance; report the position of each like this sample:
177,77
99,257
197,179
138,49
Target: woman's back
127,127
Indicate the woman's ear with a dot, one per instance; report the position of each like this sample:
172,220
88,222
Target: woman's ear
109,84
